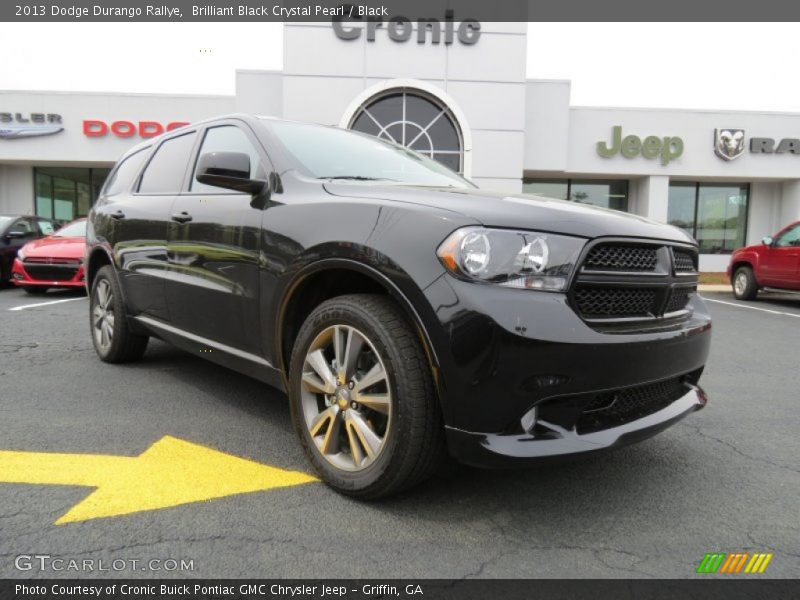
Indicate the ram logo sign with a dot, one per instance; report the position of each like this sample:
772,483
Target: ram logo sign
729,143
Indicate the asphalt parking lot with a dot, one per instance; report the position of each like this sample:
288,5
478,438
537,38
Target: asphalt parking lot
725,479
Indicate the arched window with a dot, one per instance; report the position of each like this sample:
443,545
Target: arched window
416,120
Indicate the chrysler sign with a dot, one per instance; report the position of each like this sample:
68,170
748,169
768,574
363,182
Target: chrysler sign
14,125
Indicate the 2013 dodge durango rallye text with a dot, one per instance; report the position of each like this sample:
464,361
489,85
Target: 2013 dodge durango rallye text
408,315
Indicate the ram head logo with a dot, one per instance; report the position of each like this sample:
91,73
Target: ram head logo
729,143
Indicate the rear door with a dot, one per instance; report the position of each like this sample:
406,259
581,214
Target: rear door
135,212
213,253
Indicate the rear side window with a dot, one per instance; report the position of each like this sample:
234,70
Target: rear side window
227,138
45,227
122,177
164,173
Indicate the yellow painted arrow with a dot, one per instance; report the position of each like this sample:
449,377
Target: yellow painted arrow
169,473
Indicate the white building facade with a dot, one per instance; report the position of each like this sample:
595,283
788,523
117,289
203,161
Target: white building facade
458,93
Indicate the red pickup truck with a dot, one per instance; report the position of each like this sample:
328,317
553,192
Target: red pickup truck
773,265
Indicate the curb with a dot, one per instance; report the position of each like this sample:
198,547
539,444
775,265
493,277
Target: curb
713,287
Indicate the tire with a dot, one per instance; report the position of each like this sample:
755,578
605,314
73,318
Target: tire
111,334
744,284
35,290
400,410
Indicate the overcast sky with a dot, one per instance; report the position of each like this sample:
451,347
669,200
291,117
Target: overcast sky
675,65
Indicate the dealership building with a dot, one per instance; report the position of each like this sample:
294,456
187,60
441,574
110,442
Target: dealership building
456,92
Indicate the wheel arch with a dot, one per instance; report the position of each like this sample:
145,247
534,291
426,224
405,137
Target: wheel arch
329,278
98,258
743,262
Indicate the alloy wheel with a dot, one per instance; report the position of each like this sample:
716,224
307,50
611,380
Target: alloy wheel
346,398
103,315
740,283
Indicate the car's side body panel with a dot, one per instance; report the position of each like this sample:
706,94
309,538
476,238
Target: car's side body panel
774,265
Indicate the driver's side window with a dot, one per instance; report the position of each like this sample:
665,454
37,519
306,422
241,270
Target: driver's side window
789,238
21,227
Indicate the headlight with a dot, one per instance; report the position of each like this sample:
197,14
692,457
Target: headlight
517,259
21,253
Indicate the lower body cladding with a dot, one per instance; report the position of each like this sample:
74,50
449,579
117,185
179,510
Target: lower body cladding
524,378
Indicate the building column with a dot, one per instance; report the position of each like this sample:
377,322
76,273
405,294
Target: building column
16,190
790,202
652,197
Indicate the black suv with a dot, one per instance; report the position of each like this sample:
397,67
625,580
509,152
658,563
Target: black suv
15,232
407,313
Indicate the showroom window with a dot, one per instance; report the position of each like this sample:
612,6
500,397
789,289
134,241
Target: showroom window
66,193
416,120
607,193
715,214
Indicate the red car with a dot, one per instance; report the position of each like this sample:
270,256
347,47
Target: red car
773,265
52,261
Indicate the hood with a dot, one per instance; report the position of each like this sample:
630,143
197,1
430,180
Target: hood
522,211
56,247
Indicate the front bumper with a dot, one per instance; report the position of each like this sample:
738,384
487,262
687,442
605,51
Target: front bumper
503,353
66,275
497,450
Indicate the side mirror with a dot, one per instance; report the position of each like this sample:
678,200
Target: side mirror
767,240
229,170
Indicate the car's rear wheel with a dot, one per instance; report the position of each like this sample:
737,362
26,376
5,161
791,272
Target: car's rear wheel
113,339
35,290
362,397
744,284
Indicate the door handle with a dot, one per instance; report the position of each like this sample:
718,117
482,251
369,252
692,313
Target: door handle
118,215
182,217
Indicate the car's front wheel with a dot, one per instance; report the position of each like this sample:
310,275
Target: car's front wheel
362,397
744,284
113,339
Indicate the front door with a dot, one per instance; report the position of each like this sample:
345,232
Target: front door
213,251
781,263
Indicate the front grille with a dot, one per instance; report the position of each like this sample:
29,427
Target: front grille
619,257
621,282
599,302
611,409
42,272
679,299
51,261
684,262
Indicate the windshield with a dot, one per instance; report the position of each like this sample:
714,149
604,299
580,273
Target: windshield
74,229
330,153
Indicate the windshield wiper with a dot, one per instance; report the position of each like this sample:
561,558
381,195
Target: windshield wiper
357,178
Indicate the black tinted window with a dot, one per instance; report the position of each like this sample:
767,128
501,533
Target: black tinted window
122,177
227,138
164,173
21,226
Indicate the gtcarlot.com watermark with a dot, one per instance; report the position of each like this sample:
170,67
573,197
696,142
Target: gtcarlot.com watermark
48,563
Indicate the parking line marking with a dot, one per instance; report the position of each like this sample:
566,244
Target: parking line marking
766,310
24,306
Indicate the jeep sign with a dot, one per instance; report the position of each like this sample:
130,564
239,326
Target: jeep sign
631,146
